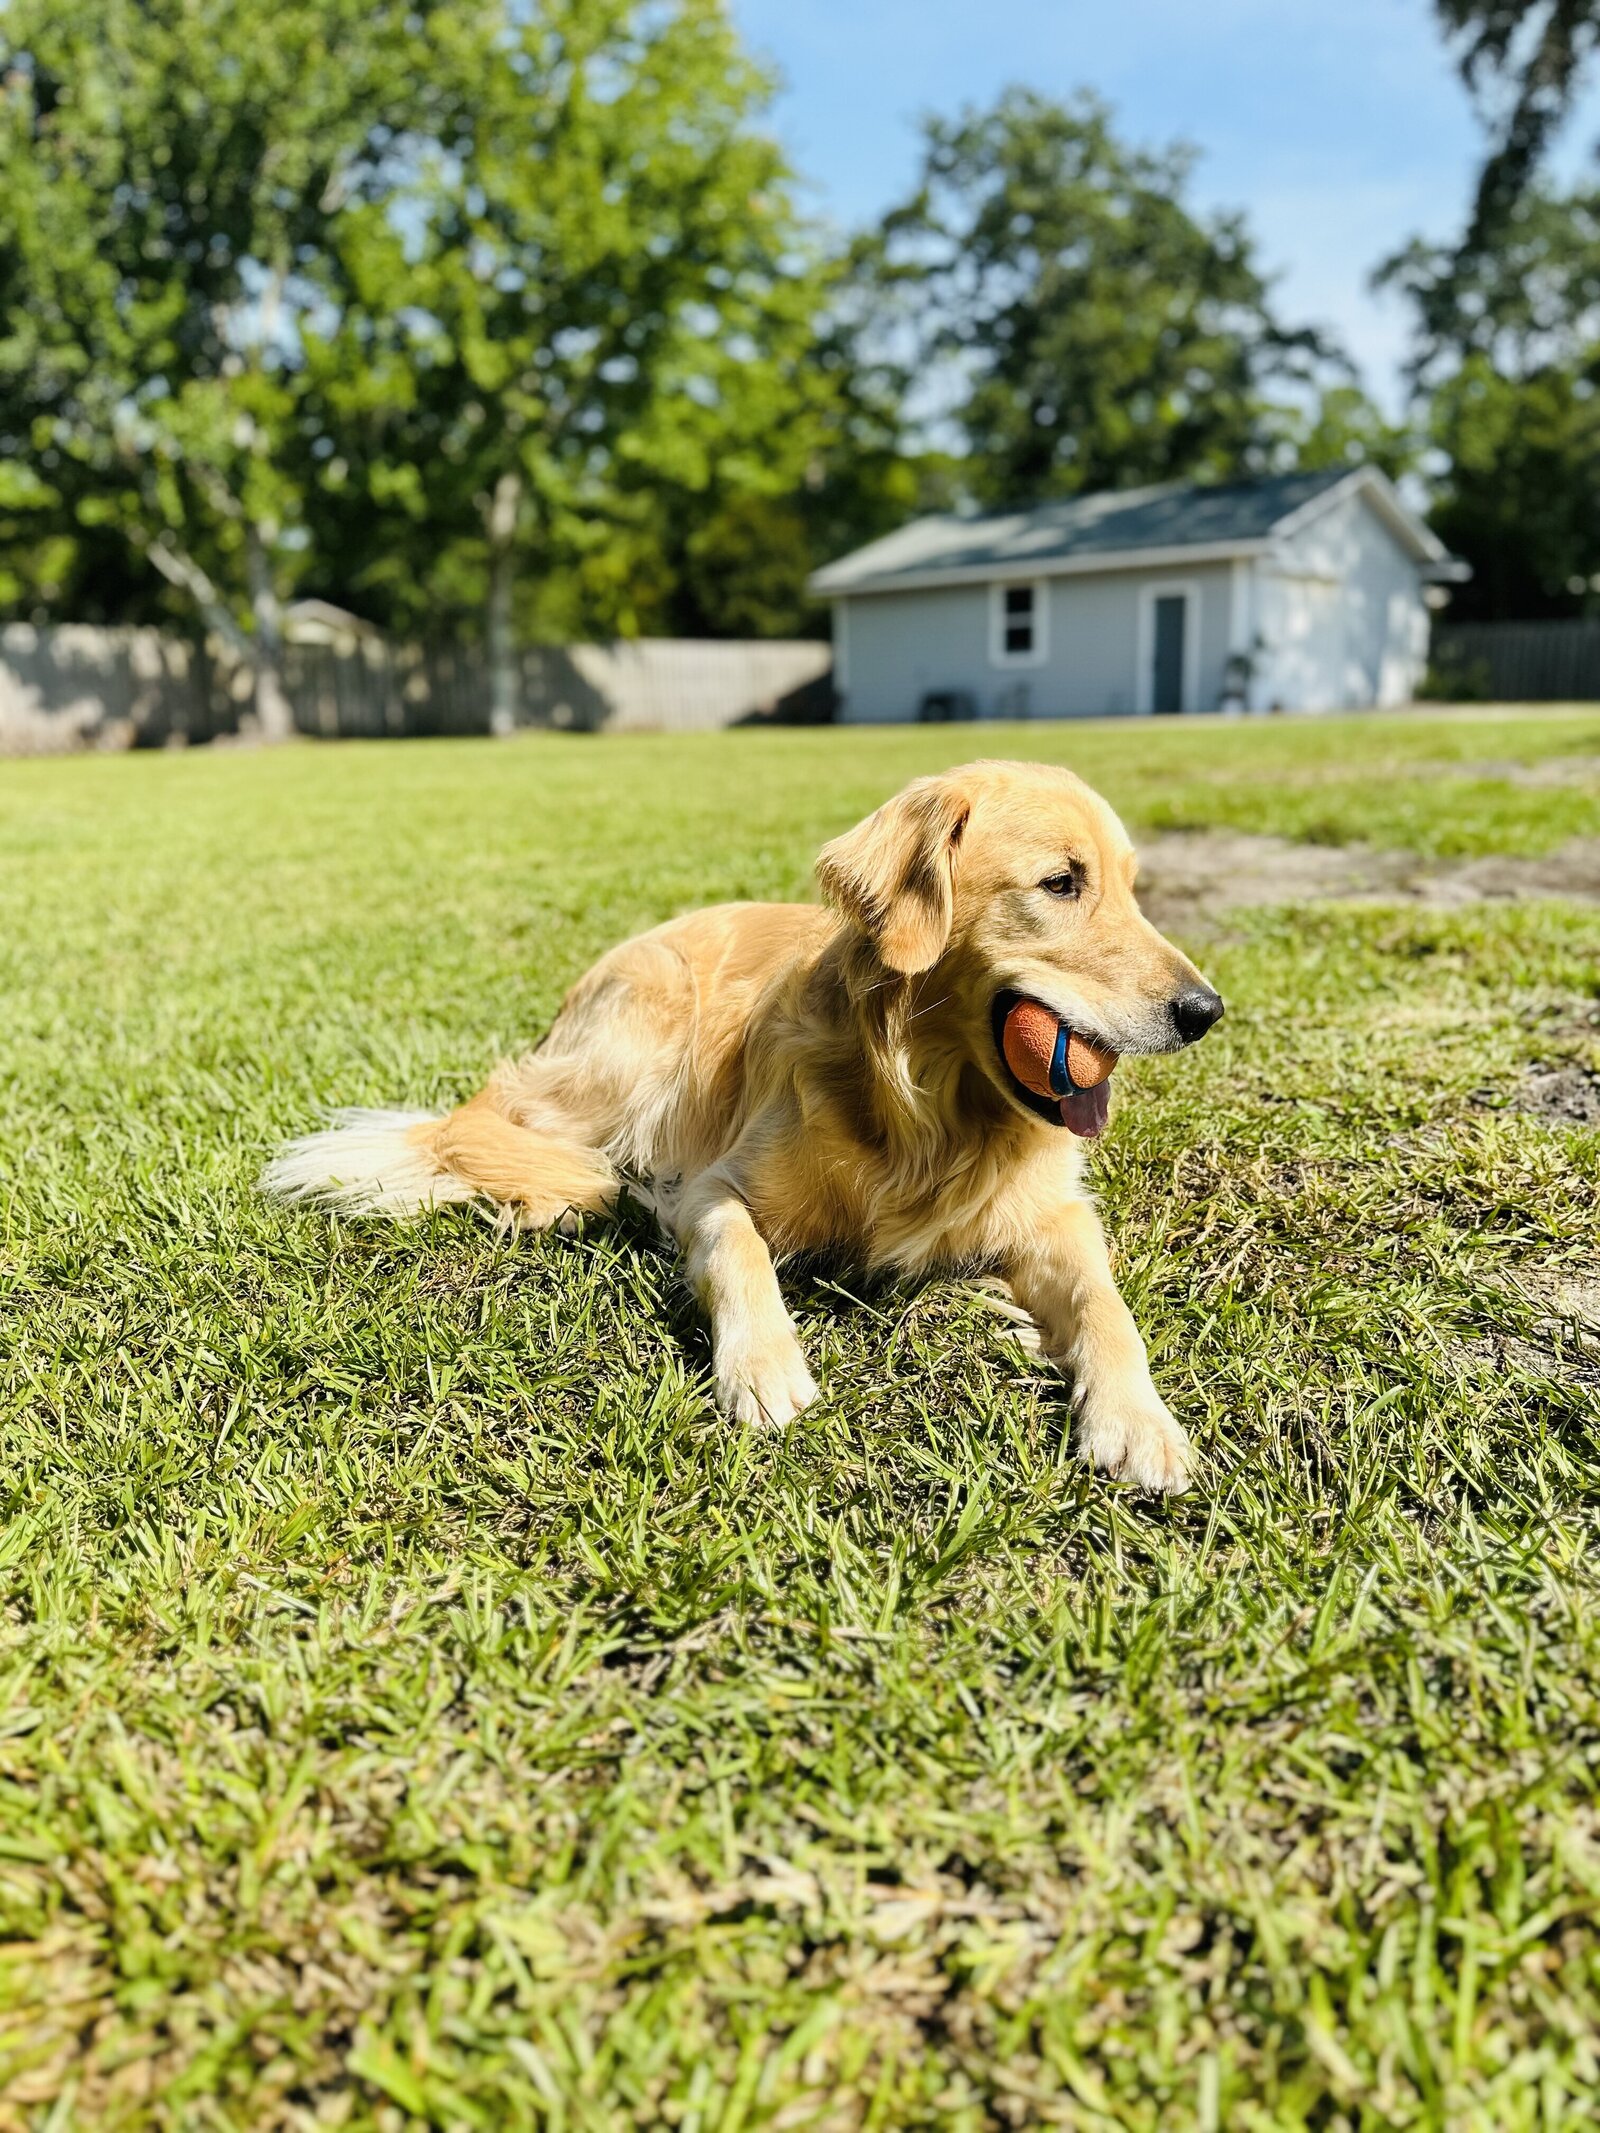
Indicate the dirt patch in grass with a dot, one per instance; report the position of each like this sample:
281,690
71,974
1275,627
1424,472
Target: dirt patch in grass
1549,775
1573,872
1565,1342
1569,1298
1566,1095
1189,876
1557,1360
1186,875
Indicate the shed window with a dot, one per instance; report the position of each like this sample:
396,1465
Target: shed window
1017,625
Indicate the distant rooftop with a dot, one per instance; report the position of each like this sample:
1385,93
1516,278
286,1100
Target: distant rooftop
1071,533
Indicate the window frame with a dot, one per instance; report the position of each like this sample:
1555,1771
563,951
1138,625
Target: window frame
1039,651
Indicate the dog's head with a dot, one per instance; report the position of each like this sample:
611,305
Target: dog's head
1007,882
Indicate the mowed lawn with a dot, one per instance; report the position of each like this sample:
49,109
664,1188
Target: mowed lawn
418,1709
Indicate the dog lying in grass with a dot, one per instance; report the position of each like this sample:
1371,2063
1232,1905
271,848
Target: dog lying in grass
907,1077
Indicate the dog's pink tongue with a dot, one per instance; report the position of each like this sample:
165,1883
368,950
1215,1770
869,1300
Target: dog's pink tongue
1086,1111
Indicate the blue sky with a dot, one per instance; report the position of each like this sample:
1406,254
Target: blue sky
1339,126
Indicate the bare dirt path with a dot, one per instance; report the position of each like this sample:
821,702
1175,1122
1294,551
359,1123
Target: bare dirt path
1191,876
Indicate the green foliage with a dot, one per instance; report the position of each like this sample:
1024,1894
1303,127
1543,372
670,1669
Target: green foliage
418,1708
1519,497
1342,427
1530,302
176,179
471,311
290,293
1508,339
600,295
1096,331
854,472
1508,367
1456,681
1525,60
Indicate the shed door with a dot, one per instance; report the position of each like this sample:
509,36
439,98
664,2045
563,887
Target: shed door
1172,621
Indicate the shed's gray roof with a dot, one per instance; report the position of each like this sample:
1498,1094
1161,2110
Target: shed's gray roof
1073,533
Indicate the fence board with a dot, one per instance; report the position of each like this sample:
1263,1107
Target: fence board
76,687
83,687
1519,662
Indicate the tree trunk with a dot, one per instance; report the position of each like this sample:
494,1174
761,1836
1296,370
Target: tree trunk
184,572
274,712
503,678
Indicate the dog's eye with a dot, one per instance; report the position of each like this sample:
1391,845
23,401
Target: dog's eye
1067,884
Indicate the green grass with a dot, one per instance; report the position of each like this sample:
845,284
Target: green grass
417,1708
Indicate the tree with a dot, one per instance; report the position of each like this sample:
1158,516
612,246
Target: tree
1339,425
433,309
849,470
1530,300
1090,329
602,297
1525,57
173,177
1520,494
1507,369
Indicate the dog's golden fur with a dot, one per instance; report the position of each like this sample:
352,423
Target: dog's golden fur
789,1077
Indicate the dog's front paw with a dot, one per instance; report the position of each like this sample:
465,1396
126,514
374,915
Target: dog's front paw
1135,1439
764,1382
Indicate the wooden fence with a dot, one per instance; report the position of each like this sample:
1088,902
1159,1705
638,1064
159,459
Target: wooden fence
81,687
1518,662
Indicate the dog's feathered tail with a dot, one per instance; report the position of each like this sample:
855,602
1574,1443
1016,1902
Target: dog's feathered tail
401,1162
367,1163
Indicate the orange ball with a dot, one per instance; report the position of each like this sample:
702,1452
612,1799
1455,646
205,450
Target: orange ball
1049,1059
1031,1032
1087,1063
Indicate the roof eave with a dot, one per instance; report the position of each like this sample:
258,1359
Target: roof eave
831,583
1372,482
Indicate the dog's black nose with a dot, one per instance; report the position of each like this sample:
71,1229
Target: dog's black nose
1194,1011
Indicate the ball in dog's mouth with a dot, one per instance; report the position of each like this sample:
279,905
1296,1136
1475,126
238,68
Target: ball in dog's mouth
1065,1074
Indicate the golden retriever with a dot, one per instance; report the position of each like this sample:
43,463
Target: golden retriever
786,1077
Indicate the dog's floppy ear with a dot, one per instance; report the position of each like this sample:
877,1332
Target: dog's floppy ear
894,874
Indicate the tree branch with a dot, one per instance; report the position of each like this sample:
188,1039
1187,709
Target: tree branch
184,572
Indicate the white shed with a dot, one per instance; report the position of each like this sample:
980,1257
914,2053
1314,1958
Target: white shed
1308,592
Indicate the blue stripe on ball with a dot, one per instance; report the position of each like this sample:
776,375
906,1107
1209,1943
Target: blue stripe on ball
1061,1082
